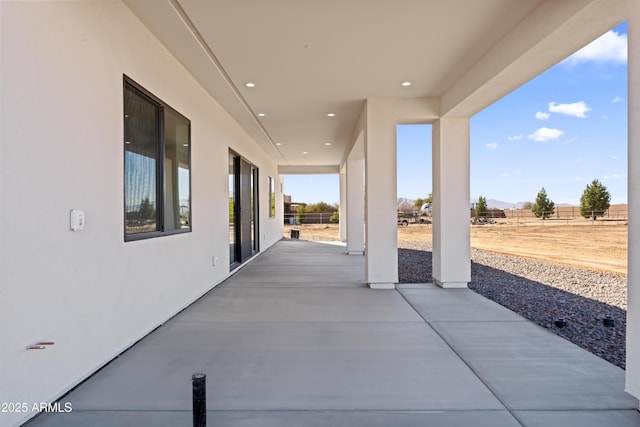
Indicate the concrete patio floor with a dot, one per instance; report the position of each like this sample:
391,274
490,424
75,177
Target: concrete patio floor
295,338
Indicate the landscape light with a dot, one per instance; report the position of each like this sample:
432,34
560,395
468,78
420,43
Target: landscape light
608,322
560,322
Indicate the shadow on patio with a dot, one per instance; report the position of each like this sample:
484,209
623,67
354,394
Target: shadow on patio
295,338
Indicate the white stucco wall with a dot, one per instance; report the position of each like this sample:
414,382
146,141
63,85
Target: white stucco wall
61,148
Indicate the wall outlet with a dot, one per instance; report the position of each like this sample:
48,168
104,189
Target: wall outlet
214,261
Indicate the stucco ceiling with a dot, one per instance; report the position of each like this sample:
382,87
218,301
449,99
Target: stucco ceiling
308,59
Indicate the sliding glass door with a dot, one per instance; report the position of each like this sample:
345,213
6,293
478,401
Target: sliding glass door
243,209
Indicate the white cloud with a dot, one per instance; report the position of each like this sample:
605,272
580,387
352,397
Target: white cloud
546,134
515,137
491,146
610,47
614,176
605,117
617,99
576,109
542,116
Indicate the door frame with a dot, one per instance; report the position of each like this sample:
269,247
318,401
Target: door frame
246,210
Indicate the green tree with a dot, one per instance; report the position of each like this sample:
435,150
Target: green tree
595,200
232,212
318,207
147,210
420,201
335,217
481,207
301,214
543,206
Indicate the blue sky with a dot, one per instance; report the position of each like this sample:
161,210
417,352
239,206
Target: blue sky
560,131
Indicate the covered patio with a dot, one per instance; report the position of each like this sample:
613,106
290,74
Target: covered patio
295,338
143,149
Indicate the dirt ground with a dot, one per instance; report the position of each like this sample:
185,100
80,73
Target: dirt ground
599,245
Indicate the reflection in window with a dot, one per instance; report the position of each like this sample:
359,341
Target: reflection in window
233,254
157,192
272,197
176,171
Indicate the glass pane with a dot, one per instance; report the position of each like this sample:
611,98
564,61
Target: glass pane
272,197
177,201
254,206
141,140
232,209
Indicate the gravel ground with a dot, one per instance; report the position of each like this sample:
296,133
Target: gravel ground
542,293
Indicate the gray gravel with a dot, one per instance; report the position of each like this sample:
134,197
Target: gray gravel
543,293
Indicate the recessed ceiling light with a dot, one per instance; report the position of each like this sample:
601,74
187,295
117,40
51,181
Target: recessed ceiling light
406,84
305,152
249,84
327,143
278,144
260,114
331,115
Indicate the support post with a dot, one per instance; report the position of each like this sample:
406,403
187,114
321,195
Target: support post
355,208
632,384
343,208
451,203
381,234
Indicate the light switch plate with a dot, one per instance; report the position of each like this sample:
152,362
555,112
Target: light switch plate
77,219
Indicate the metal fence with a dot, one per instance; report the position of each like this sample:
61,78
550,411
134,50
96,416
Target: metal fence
309,218
561,215
567,212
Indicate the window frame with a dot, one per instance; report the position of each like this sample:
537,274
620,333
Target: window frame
160,177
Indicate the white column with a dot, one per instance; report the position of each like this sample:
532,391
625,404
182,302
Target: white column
343,204
381,261
451,229
633,188
355,202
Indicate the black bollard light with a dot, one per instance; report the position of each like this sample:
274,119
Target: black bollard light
608,322
560,323
199,400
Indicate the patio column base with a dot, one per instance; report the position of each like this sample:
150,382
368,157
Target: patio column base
382,285
355,253
452,285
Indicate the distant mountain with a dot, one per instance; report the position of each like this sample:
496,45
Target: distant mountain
499,204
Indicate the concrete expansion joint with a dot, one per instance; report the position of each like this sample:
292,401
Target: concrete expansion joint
462,359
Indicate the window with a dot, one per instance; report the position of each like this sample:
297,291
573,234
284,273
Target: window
157,166
272,197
